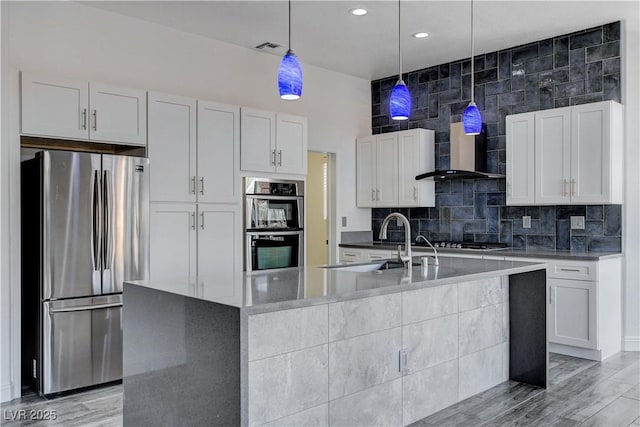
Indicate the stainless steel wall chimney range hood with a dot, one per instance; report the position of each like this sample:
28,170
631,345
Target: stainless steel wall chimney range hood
468,156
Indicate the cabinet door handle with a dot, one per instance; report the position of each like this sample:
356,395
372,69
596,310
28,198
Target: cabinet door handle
508,189
95,119
84,118
279,157
415,193
202,220
377,194
202,185
564,187
550,296
273,157
574,270
573,187
193,220
373,195
193,185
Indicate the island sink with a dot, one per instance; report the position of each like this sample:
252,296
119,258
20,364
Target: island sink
369,266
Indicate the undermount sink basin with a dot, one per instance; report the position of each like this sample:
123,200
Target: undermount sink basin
369,266
360,268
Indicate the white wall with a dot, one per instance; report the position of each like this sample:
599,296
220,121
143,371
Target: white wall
631,208
6,391
80,41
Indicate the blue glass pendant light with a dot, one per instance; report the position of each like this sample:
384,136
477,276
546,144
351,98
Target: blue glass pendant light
471,118
290,72
400,99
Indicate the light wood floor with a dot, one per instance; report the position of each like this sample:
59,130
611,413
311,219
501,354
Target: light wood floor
581,392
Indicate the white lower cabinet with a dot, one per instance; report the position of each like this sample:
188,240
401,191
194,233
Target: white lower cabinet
172,241
219,241
571,317
351,255
355,255
189,240
584,307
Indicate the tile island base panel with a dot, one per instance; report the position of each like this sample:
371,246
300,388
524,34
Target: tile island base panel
388,359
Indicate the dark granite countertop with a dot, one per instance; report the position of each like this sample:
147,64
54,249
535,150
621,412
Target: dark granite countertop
507,252
298,287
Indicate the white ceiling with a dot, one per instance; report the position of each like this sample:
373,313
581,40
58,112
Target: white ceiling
326,35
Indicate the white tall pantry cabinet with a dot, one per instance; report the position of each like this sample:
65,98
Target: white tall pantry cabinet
195,225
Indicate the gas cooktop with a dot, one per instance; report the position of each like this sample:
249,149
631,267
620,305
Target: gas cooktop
467,245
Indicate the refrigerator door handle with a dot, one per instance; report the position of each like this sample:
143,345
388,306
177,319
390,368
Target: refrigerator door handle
85,307
96,229
108,219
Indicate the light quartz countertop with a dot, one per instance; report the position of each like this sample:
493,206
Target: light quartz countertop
276,290
506,252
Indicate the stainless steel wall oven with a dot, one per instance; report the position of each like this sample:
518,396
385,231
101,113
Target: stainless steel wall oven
274,223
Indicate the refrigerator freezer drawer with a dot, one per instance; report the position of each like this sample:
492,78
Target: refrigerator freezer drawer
82,343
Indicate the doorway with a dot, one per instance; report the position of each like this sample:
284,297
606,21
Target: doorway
320,207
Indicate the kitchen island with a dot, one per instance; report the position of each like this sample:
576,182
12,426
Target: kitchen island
318,346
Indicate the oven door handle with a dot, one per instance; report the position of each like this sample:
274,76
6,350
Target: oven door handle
274,233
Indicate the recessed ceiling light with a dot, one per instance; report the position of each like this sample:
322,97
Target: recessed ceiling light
358,11
421,35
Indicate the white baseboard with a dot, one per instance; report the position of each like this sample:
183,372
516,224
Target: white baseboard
631,343
582,353
6,392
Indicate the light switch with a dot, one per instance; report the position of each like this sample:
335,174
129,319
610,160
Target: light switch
526,221
577,222
344,221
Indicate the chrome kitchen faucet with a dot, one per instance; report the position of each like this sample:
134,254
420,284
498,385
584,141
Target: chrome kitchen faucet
406,259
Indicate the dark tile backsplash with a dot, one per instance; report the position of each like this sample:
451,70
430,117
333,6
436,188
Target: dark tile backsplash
571,69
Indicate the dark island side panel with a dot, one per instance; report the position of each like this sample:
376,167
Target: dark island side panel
529,357
181,360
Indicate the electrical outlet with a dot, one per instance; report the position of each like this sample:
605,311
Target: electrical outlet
577,222
526,221
344,221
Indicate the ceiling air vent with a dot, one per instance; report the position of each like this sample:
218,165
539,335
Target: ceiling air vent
270,45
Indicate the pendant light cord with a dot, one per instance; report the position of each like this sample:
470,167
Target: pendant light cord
399,48
472,53
289,25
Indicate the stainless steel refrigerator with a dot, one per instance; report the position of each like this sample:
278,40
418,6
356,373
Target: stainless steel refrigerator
84,231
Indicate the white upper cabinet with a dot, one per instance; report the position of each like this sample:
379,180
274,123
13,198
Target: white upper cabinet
291,144
366,171
258,150
75,109
54,107
117,114
172,148
520,168
596,153
218,153
386,167
192,162
273,142
553,156
415,156
573,153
